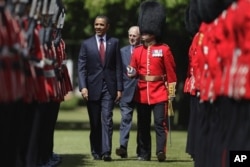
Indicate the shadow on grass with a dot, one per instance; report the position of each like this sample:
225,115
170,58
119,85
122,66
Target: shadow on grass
79,160
74,160
179,160
80,125
72,125
155,159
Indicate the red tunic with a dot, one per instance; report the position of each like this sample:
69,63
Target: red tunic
205,79
225,35
241,64
155,60
192,83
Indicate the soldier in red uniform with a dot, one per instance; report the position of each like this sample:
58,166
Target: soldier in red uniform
220,127
154,65
58,85
191,86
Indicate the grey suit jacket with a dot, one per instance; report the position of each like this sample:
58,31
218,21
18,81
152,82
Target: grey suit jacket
128,83
91,72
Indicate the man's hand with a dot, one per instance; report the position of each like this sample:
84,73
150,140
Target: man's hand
166,84
84,93
131,72
118,97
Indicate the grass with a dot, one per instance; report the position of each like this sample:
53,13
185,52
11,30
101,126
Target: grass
72,143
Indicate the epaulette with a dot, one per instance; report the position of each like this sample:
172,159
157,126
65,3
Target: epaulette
165,44
138,45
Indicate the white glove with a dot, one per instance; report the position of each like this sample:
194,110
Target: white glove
131,72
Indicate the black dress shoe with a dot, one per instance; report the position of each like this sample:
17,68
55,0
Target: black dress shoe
141,158
96,157
161,156
107,157
121,152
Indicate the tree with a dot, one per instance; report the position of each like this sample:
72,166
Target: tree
123,13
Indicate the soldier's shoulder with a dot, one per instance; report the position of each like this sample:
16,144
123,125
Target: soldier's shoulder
164,44
137,46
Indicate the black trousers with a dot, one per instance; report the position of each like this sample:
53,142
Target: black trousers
193,126
11,129
48,113
224,127
144,128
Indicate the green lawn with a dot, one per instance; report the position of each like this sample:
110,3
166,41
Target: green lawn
72,143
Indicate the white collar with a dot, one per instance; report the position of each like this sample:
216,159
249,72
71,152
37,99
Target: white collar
103,37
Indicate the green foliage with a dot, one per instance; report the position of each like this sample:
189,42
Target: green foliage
71,103
95,7
81,13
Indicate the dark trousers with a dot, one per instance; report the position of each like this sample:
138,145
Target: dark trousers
126,122
144,127
235,128
48,113
224,127
22,135
193,126
101,123
11,128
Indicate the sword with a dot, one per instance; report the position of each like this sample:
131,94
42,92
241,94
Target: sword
170,113
171,91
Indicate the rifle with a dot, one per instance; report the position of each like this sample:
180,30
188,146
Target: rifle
60,23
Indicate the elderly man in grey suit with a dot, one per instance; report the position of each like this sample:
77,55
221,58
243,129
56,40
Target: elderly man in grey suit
101,85
127,104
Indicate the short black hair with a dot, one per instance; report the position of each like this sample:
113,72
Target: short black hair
103,17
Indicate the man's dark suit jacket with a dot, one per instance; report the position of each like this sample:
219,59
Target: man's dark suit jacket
91,72
128,83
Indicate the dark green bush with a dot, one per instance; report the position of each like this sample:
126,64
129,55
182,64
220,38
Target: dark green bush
70,103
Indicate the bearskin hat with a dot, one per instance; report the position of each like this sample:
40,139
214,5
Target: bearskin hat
211,9
192,18
152,18
227,3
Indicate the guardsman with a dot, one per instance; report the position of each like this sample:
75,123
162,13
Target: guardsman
228,114
154,65
11,85
58,82
191,85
